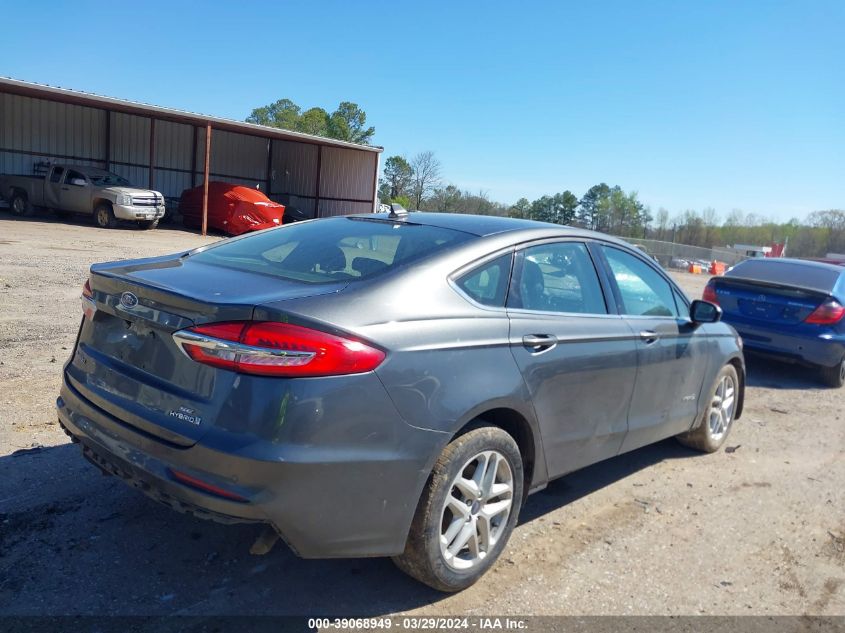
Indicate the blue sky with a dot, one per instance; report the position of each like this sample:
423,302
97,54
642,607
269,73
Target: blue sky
692,104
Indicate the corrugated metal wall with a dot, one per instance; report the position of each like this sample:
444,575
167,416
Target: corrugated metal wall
343,174
235,157
33,130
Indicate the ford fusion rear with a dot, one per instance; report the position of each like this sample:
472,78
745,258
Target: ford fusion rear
389,385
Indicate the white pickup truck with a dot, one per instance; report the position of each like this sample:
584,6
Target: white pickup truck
69,189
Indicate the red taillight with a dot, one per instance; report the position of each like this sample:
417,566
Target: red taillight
89,306
709,293
828,313
199,484
268,348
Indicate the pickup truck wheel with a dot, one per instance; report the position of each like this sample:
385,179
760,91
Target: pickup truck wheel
104,216
20,205
148,224
717,421
467,511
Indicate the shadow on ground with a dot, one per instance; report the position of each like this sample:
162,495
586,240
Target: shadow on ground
74,541
46,217
773,374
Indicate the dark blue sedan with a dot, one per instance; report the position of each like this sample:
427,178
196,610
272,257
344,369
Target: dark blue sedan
788,308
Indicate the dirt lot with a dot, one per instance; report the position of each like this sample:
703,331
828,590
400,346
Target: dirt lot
663,530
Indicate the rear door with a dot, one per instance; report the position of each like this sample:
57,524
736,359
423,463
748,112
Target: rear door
578,358
673,351
53,187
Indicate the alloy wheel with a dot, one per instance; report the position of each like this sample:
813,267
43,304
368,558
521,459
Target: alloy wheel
476,511
722,408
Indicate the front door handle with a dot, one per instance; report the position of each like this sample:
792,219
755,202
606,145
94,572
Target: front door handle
65,189
539,342
649,337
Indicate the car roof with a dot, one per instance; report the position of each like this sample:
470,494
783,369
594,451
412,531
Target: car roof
487,225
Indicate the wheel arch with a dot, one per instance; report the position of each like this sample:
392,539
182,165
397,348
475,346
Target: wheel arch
522,429
96,202
739,365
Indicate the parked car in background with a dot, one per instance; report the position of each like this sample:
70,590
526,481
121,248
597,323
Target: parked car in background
788,308
72,189
390,384
233,209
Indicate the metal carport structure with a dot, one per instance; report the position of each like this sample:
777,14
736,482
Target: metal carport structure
165,149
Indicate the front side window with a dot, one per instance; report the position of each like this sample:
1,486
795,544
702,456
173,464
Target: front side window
488,284
74,178
644,291
557,277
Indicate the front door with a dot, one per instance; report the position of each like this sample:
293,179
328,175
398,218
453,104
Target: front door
578,360
672,350
76,193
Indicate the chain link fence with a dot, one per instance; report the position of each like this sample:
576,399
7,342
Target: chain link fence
680,256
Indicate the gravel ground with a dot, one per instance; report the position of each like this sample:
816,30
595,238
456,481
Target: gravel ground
662,530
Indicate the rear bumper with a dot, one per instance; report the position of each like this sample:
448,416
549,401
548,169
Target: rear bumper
324,501
825,349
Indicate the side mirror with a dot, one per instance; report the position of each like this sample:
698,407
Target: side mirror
704,312
77,182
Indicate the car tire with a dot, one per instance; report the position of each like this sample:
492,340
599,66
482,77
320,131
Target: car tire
717,420
834,376
460,528
104,216
20,205
148,224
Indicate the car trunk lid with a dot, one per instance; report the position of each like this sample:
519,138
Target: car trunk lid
766,302
126,361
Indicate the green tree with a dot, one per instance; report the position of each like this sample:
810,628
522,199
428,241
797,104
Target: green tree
396,178
594,207
520,209
314,121
284,114
566,204
348,123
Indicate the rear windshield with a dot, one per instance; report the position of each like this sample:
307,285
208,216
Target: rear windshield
791,273
330,250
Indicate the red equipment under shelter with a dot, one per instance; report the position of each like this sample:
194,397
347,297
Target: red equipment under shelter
233,209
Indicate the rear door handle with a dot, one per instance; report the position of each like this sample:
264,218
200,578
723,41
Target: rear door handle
539,342
649,337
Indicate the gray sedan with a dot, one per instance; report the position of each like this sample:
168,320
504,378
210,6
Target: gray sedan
390,384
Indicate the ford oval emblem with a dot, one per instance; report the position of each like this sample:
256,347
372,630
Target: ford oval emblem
128,300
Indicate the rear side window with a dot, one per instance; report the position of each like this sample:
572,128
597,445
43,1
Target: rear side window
488,284
334,249
56,176
644,291
557,277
